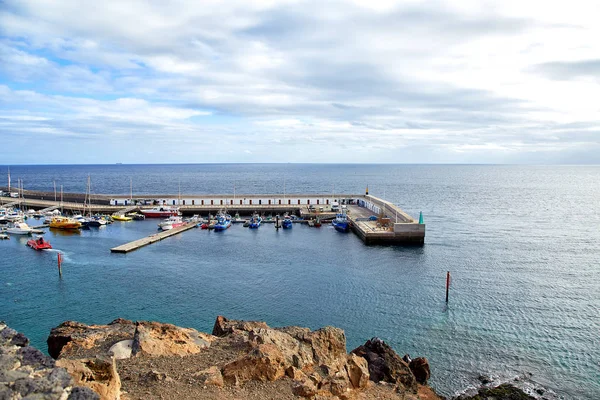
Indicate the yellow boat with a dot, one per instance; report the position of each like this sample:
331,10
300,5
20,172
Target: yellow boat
119,217
64,223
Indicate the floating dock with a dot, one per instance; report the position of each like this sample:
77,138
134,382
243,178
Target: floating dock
136,244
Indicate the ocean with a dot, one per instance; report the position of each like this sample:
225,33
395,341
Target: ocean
522,244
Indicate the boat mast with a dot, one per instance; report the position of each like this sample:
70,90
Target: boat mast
88,194
55,190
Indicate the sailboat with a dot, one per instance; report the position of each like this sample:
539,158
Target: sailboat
92,221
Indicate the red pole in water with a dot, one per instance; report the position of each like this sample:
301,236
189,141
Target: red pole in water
447,284
59,264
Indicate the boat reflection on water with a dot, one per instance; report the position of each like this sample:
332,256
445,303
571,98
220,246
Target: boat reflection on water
65,232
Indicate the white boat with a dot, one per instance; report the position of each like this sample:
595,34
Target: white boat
49,214
19,228
170,223
14,216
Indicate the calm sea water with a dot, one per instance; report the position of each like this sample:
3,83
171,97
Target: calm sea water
522,243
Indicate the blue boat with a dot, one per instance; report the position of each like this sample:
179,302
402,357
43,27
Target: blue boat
223,222
255,221
341,223
287,222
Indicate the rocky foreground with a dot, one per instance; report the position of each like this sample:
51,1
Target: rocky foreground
239,360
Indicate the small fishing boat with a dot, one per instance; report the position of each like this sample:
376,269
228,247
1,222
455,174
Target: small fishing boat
19,228
341,223
237,218
254,222
160,212
170,223
64,223
39,244
97,221
85,222
223,222
317,223
137,216
287,222
120,217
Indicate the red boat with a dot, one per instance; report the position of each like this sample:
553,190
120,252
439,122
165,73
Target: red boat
39,244
160,212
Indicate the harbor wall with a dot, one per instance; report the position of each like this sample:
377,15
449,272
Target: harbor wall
229,200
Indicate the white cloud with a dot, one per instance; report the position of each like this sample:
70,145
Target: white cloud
430,78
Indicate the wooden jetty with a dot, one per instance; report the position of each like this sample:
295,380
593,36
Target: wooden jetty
136,244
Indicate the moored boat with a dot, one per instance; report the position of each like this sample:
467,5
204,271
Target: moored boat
64,223
19,228
287,222
97,221
255,221
170,223
341,223
39,244
120,217
136,216
223,222
160,212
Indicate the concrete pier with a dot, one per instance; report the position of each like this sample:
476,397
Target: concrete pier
391,225
136,244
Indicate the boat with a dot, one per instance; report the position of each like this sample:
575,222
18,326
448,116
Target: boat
14,216
223,222
4,236
120,217
341,223
64,223
19,228
170,223
254,222
317,223
160,212
237,218
136,216
97,221
85,222
287,222
39,244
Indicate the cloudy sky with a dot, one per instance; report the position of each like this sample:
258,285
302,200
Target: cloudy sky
299,81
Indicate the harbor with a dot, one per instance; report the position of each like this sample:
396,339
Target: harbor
374,220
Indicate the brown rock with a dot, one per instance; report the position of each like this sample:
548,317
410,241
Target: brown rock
263,363
385,364
224,326
358,371
296,353
98,374
295,373
328,344
420,369
156,339
304,388
211,376
77,340
157,376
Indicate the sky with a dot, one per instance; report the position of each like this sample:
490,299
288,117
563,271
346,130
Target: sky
361,81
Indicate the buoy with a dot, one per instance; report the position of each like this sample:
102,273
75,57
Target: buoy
421,217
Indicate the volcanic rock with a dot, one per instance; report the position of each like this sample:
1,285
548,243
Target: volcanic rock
420,369
385,364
